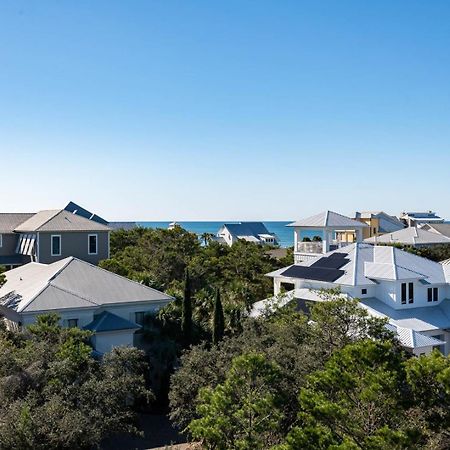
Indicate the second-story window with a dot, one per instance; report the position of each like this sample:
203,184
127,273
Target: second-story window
403,293
56,245
430,294
435,294
92,244
411,293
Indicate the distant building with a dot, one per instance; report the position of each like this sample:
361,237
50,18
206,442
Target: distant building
334,230
411,219
83,296
414,236
378,223
255,232
49,236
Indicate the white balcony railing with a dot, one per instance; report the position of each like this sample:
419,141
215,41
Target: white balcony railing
317,247
310,247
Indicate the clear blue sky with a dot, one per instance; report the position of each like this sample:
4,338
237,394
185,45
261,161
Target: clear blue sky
197,110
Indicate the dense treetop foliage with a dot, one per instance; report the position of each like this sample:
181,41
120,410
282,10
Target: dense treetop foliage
55,395
160,258
340,381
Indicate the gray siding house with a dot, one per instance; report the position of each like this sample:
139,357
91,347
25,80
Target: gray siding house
49,236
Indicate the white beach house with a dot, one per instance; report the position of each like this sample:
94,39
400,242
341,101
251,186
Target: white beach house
84,296
411,291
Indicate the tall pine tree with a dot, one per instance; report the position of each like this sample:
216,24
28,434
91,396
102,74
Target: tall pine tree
218,320
186,317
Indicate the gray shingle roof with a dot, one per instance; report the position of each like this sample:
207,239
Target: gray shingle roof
59,220
107,321
328,219
71,283
441,228
10,221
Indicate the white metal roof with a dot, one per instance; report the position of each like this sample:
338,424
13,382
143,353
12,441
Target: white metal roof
329,219
70,283
368,262
426,318
410,236
413,339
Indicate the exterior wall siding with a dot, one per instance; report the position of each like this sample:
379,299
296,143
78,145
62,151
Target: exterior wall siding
9,244
73,244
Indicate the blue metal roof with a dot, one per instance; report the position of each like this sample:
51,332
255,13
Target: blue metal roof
247,228
107,321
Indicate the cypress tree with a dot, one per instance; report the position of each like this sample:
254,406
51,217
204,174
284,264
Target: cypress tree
186,315
218,320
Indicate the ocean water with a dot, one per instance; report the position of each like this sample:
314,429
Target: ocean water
285,234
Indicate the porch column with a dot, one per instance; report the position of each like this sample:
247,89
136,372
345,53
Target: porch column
359,235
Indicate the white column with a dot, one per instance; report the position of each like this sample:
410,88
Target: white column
359,235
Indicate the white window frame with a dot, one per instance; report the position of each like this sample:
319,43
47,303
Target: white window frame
51,245
96,244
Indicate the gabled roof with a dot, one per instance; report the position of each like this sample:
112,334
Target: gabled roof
59,220
247,230
413,339
365,263
410,236
329,219
381,215
10,221
70,283
107,321
441,228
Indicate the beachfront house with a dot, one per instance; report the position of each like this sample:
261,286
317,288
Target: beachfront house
378,223
323,232
49,236
413,236
255,232
412,292
411,219
84,296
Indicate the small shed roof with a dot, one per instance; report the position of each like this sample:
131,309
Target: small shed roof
107,321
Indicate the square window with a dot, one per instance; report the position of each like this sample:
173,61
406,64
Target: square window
363,291
92,244
72,323
56,245
139,317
